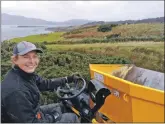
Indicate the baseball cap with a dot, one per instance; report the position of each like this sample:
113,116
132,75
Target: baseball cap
24,47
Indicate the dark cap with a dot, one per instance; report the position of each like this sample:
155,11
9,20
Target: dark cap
24,47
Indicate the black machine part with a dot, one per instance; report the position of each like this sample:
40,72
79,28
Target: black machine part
98,93
71,93
95,90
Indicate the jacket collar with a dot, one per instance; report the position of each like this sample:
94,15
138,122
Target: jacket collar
23,74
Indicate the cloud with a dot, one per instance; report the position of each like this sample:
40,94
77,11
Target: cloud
92,10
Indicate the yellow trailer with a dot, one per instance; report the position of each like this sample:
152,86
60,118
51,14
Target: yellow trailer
129,101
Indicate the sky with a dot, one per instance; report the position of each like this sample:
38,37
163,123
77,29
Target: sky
91,10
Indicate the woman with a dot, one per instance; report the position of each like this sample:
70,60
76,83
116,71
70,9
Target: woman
20,90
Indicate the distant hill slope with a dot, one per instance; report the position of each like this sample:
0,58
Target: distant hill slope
7,19
149,20
152,20
123,30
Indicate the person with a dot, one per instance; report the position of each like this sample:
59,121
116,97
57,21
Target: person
21,87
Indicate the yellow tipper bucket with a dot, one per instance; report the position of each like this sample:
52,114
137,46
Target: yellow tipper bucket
130,101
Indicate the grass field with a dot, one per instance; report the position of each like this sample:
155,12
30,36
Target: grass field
156,45
140,30
50,37
143,54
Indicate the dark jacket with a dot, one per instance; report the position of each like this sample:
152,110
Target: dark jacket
20,95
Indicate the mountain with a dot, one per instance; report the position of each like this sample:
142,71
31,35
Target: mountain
94,23
7,19
152,20
149,20
77,22
21,20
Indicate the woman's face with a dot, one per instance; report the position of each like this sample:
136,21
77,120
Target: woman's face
28,62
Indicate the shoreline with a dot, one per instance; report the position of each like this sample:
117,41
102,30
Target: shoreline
36,30
24,26
24,36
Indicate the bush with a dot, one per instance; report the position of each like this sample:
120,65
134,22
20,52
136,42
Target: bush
106,27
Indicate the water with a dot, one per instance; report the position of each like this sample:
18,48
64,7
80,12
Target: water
12,31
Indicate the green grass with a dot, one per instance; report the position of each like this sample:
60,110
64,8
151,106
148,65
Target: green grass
157,46
148,55
155,29
50,37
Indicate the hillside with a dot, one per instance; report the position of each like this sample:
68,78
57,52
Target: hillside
123,30
149,20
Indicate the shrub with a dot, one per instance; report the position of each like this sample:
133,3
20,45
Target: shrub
106,27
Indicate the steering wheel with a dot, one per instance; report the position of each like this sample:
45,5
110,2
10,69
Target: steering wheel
71,93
